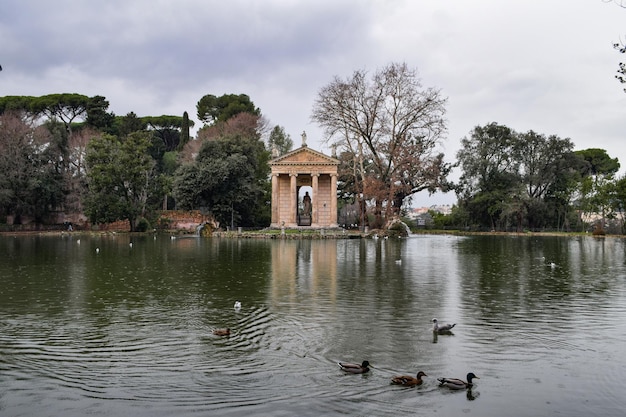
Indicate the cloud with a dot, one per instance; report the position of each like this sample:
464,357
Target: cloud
545,66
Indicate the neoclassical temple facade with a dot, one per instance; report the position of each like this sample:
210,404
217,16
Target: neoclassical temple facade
304,167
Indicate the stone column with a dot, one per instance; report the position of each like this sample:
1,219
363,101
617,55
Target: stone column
293,199
275,200
315,216
333,200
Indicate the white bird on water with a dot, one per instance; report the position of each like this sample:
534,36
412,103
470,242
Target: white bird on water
442,328
97,250
237,305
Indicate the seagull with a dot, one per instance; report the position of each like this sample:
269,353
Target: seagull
237,305
97,250
444,328
130,244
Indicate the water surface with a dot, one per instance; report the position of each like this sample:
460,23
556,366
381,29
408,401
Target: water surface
95,325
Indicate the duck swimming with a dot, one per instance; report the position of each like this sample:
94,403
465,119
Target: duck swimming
407,380
455,383
355,368
221,332
442,328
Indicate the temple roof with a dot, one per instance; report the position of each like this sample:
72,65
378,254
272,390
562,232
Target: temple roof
304,156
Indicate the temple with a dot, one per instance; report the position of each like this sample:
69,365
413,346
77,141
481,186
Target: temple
297,173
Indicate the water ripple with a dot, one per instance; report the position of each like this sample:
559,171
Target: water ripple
127,336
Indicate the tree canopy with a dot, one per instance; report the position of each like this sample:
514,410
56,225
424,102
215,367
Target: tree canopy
392,124
30,183
67,108
227,178
120,176
212,109
599,162
71,155
65,153
279,141
168,128
521,179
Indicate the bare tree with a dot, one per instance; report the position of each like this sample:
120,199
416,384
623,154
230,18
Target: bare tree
621,47
392,126
29,184
76,172
620,3
241,124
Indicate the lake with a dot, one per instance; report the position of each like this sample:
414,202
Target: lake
120,325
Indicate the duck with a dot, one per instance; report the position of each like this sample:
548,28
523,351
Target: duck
354,368
442,328
221,332
407,380
455,383
237,305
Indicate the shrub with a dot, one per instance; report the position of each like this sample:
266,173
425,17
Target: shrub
143,225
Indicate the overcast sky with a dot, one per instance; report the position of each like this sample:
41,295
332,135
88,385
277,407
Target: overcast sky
545,65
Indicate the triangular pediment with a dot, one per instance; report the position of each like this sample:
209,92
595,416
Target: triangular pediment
304,156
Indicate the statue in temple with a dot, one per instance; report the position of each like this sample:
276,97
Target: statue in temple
306,203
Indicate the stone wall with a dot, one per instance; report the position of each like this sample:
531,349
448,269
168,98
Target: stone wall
187,221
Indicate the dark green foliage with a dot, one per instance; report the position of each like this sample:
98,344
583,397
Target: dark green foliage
143,225
167,129
31,183
514,180
279,141
67,108
97,115
125,125
16,104
120,178
170,163
599,162
212,109
184,131
228,179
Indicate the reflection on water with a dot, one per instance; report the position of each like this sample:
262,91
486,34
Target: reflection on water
127,329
